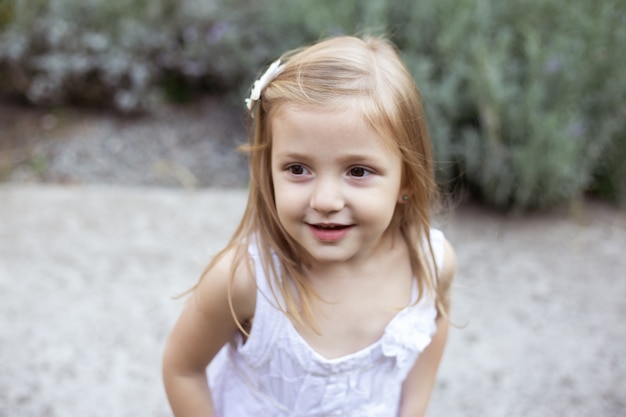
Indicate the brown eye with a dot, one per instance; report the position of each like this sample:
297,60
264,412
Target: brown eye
297,169
359,172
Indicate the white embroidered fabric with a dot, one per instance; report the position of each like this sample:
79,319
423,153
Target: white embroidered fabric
276,373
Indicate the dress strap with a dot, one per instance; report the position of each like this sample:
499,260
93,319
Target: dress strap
437,240
268,318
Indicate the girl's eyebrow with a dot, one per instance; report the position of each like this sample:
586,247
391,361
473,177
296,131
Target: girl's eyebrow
290,155
360,159
355,157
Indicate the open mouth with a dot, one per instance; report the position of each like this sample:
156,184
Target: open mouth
329,232
330,226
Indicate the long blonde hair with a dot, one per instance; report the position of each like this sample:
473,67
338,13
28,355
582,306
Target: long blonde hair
366,75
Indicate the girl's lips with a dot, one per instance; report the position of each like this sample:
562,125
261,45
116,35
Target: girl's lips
329,233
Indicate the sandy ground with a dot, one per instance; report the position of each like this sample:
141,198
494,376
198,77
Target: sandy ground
87,274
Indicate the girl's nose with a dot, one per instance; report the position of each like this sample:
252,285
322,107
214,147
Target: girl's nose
327,196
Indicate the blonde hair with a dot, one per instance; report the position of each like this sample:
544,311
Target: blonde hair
365,75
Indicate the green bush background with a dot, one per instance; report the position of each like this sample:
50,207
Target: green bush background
525,98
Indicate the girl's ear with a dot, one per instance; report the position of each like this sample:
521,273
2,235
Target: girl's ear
403,197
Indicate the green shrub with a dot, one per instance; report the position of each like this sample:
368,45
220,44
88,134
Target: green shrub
116,52
525,98
58,51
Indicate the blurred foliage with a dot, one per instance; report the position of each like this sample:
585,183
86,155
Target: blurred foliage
525,98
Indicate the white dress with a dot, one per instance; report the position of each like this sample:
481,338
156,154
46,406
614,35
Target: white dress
277,374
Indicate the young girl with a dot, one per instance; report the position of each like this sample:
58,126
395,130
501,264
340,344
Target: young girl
332,296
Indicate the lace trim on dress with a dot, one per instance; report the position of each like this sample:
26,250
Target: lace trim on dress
405,337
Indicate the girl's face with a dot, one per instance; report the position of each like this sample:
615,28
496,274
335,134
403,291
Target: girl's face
336,182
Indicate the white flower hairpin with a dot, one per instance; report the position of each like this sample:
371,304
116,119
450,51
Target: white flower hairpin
272,72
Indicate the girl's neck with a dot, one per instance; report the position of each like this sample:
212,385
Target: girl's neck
356,301
391,246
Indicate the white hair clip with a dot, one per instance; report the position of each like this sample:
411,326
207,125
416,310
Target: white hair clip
272,72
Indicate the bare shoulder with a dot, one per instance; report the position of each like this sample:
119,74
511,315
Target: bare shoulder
446,275
449,267
231,275
206,323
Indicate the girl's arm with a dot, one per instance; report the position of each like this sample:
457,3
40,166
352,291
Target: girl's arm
204,326
419,383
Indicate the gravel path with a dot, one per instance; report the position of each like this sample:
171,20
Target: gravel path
191,147
87,274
